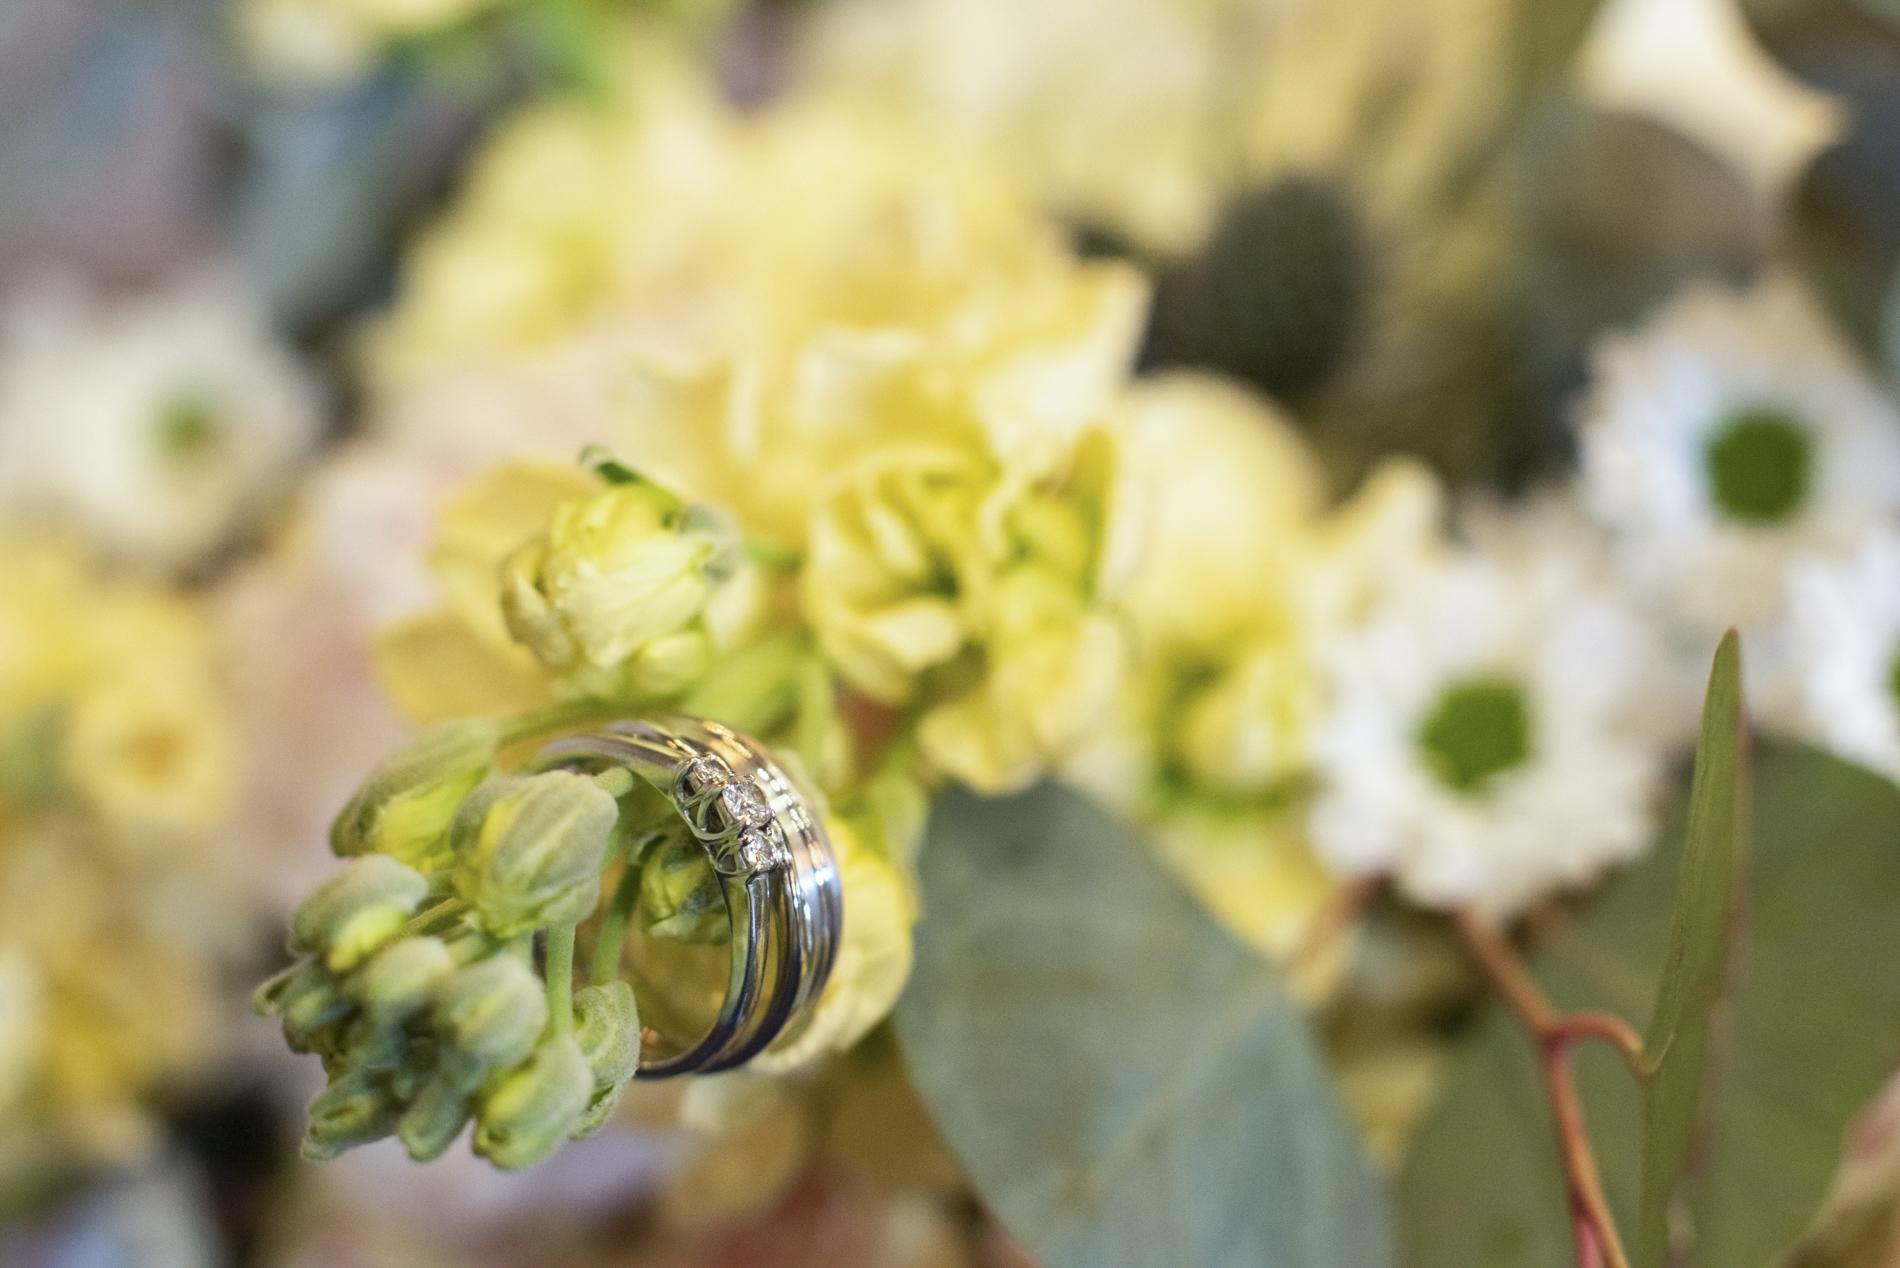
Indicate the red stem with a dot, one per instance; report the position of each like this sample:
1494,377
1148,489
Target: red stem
1598,1245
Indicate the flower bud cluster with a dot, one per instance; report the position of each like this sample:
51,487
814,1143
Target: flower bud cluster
418,989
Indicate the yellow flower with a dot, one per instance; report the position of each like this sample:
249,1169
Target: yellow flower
116,763
124,672
486,521
937,559
743,304
614,574
153,751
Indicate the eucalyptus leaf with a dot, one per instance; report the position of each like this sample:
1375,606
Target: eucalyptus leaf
1814,1033
1696,966
1125,1084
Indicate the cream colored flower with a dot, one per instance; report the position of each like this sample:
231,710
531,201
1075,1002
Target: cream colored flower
1731,433
116,765
1846,653
1731,430
1693,65
1481,743
739,305
865,350
1213,95
931,578
161,425
1242,582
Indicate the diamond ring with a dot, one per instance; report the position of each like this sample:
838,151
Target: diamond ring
775,866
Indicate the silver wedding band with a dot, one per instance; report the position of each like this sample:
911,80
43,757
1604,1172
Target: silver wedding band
775,863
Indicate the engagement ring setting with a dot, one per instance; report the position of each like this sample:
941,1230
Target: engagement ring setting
776,869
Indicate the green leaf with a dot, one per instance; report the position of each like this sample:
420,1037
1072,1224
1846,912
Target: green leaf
1125,1084
1696,966
1814,1031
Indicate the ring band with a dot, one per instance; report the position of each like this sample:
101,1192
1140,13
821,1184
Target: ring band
775,866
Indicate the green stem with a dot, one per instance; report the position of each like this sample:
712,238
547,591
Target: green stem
556,717
560,980
437,918
816,709
772,556
613,929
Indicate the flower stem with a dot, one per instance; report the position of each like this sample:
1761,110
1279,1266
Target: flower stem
613,929
435,919
1332,920
1598,1245
526,726
560,980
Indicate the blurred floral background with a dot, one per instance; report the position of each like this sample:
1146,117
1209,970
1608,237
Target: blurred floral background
1229,504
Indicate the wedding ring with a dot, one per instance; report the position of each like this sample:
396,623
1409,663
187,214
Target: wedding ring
775,865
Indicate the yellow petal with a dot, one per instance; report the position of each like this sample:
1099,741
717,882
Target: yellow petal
434,668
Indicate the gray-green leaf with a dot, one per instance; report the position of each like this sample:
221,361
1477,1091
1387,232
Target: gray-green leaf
1696,966
1125,1084
1816,1024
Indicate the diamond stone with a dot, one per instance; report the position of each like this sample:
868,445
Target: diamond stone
763,848
745,805
702,777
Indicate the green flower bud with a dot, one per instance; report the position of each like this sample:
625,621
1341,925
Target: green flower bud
434,1120
370,1046
681,897
533,620
488,1016
271,994
358,910
529,850
528,1111
615,572
607,1027
355,1109
406,805
399,979
421,1064
605,1101
310,998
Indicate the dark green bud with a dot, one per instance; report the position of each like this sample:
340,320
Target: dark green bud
527,1112
406,805
400,979
311,998
269,997
355,1109
681,897
434,1120
528,851
358,910
605,1101
370,1046
488,1016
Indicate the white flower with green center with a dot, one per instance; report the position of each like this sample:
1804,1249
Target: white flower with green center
1480,745
1846,650
1729,433
161,425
